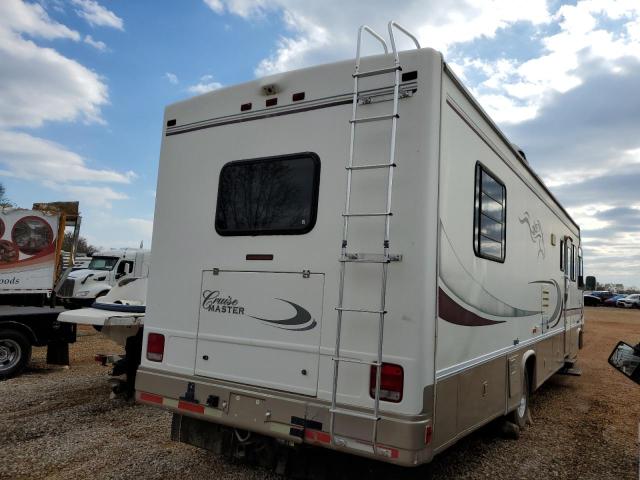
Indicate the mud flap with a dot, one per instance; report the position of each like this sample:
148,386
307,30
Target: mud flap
58,353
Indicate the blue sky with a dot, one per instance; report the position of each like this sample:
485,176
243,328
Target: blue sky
83,84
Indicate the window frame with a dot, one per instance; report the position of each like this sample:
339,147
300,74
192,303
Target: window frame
562,255
573,262
313,213
477,213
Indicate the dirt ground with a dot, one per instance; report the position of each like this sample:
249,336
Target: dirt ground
60,423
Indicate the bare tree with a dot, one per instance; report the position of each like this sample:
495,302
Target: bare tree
83,245
4,201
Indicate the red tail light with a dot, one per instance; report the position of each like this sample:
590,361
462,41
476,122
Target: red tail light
155,347
391,382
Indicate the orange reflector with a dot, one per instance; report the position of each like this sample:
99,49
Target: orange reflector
428,434
190,407
150,397
317,436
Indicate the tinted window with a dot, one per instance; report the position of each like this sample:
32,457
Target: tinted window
102,263
489,219
268,196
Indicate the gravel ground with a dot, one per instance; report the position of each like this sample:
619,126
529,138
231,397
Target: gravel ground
60,423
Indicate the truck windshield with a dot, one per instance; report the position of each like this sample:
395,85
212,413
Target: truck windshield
103,263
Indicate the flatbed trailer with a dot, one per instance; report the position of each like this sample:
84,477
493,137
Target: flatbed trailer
24,327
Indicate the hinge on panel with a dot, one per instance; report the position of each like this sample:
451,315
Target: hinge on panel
306,273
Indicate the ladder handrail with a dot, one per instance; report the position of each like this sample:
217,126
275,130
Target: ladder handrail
386,257
393,40
361,30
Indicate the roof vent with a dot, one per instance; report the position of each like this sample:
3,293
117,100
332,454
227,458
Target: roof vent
520,152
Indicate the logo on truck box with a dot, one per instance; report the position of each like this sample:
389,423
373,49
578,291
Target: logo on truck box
216,301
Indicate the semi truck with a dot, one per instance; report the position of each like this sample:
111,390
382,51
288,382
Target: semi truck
106,268
31,265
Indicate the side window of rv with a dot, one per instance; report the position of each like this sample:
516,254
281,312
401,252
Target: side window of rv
573,262
562,255
268,196
489,237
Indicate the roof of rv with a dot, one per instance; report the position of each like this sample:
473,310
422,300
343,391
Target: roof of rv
227,101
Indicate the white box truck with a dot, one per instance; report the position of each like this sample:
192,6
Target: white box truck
31,263
356,260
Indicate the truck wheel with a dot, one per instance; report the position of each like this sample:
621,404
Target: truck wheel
15,353
520,415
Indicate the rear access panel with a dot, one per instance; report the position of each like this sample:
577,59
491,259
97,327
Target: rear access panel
261,328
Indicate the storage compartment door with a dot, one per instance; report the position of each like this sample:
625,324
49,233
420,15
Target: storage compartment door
261,328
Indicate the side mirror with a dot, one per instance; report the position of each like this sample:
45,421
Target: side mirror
591,283
626,359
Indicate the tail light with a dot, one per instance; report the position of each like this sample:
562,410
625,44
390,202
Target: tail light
391,382
155,347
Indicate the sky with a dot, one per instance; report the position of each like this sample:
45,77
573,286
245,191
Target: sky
83,85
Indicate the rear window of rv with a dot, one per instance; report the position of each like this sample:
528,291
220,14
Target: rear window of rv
268,196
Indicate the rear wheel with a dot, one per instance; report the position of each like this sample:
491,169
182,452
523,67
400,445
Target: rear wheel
15,353
520,415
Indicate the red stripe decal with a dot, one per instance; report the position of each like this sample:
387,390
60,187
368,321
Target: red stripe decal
450,311
150,397
317,436
191,407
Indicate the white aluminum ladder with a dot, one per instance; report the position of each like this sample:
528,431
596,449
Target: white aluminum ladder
386,257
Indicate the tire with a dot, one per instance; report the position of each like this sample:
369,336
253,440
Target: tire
15,353
520,416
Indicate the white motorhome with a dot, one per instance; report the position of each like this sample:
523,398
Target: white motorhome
105,269
386,309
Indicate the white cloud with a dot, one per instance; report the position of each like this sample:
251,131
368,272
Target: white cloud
32,19
91,196
30,158
38,84
172,77
206,84
317,33
97,15
215,5
141,226
97,44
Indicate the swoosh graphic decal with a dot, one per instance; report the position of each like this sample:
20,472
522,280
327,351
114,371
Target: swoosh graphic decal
301,319
558,309
462,284
452,312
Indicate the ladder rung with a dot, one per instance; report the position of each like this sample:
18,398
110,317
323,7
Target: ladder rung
374,119
380,71
360,310
371,257
371,167
380,214
354,360
352,413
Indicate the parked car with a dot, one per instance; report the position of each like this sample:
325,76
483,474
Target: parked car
630,301
613,301
592,301
602,294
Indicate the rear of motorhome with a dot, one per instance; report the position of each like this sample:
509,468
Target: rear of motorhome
354,260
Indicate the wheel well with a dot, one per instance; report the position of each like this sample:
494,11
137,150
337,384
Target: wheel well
19,327
530,368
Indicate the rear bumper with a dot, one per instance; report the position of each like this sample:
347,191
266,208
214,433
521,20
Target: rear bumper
403,440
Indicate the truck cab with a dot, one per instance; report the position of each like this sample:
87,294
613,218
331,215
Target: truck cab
106,268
